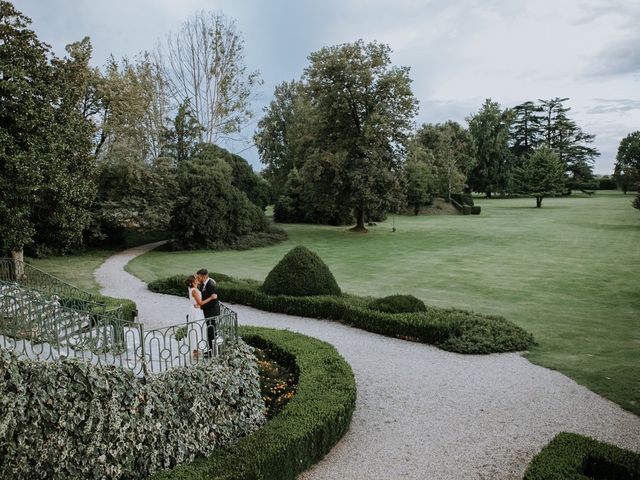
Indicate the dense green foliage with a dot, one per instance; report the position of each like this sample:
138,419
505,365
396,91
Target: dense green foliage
309,426
85,421
242,175
398,304
46,170
343,128
453,156
572,145
489,128
301,273
570,456
540,175
450,329
627,168
210,212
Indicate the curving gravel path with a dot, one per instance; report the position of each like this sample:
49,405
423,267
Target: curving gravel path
423,413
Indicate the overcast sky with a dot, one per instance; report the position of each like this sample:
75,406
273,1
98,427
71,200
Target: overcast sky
460,51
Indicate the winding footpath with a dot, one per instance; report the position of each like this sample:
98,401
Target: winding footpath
422,413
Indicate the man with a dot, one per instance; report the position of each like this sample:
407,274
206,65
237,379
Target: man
211,309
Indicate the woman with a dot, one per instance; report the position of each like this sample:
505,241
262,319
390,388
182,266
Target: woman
195,312
195,331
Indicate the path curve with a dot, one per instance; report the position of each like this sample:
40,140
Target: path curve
422,413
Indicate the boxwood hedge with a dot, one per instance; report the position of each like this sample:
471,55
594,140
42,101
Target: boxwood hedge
450,329
570,456
309,426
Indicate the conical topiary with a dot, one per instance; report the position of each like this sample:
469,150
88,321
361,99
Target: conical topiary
300,273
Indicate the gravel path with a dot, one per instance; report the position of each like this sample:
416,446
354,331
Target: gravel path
423,413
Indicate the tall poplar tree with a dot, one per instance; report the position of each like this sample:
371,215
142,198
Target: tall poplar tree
489,128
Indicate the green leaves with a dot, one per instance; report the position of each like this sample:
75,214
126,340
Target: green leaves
83,421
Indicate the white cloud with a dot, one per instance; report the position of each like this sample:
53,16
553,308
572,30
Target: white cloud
460,52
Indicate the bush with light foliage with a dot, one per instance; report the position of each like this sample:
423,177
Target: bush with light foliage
71,419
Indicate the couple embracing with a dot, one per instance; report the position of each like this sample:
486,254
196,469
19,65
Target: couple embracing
204,303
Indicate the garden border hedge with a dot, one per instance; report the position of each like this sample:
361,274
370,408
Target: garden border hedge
309,426
570,456
454,330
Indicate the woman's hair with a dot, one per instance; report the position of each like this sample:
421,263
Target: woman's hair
189,280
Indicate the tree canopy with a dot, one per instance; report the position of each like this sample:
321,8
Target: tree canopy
540,175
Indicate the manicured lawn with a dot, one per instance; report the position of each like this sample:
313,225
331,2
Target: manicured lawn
78,269
567,272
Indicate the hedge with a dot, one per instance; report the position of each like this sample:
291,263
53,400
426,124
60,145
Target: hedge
300,273
450,329
309,426
570,456
73,419
398,304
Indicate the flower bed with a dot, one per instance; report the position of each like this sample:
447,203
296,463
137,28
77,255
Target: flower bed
306,429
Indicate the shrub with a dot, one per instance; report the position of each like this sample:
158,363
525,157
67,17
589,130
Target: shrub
475,210
398,304
300,273
450,329
210,212
573,456
72,419
309,426
174,285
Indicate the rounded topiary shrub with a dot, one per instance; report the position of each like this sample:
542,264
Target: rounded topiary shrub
398,304
300,273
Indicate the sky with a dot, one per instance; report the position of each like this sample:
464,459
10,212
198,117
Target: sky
460,51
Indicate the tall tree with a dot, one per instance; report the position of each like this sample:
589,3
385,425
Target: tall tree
279,136
45,173
489,128
419,176
627,168
526,128
132,120
570,143
363,109
204,64
540,175
181,140
453,155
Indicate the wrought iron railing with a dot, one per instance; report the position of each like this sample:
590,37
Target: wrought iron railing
40,328
25,274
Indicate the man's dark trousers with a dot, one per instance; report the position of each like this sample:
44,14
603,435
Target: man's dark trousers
211,309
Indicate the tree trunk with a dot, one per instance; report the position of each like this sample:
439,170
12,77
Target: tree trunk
488,194
359,220
17,256
538,202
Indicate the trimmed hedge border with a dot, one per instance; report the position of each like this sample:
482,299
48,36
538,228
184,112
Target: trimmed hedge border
570,456
313,421
449,329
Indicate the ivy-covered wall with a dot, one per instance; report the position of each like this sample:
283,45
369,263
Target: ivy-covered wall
69,419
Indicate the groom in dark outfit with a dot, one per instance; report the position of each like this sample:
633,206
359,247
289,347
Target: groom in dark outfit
212,309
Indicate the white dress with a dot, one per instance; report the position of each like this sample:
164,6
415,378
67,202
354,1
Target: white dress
195,325
195,313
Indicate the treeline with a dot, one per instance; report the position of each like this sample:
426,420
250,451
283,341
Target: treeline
88,153
338,144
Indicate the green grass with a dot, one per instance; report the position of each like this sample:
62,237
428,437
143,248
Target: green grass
568,273
77,269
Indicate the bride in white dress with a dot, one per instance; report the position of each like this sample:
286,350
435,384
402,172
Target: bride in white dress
196,334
